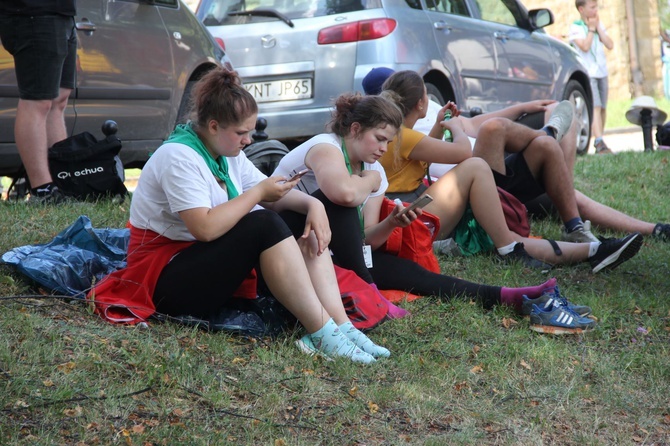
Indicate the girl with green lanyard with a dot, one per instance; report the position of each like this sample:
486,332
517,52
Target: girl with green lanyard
203,216
345,175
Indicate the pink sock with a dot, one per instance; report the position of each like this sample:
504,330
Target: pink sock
513,296
395,312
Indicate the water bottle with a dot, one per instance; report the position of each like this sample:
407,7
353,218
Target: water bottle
447,133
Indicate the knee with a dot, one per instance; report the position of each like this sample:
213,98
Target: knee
60,102
476,165
546,146
263,220
493,127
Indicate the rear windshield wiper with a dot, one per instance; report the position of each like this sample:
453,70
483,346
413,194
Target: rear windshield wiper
265,12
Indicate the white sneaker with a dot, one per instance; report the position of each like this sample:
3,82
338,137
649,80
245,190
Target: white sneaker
581,235
561,119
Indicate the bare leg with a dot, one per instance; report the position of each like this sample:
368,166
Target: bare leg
30,133
597,124
322,276
542,250
606,217
499,135
545,160
542,153
470,181
56,130
287,277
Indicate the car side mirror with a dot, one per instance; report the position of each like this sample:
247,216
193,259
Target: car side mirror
539,18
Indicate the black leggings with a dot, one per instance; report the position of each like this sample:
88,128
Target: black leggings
390,272
202,278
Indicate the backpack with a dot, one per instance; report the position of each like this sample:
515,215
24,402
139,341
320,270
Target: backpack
87,169
266,154
364,305
516,214
663,134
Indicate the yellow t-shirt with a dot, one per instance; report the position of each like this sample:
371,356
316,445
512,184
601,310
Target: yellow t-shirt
404,174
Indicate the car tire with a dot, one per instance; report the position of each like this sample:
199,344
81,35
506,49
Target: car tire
434,93
575,93
185,104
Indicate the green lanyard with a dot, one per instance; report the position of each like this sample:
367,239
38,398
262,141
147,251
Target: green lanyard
359,208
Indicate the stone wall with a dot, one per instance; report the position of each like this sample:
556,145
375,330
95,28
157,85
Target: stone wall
629,77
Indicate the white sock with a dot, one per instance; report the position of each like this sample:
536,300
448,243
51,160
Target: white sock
503,250
593,248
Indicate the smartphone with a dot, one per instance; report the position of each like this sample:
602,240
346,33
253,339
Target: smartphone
418,203
298,175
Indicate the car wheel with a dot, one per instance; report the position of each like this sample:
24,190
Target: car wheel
185,104
434,94
575,93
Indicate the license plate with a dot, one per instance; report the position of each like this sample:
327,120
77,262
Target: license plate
283,90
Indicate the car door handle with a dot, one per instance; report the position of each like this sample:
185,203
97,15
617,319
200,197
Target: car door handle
442,25
501,36
86,26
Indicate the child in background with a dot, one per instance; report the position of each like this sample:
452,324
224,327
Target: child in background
590,39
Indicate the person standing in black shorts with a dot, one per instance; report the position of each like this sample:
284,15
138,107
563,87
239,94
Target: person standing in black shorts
41,36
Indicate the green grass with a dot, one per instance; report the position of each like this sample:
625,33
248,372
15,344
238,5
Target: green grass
616,111
458,374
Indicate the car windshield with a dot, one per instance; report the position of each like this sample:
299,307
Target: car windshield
229,12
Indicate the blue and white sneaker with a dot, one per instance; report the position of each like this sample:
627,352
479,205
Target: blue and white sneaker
559,320
550,298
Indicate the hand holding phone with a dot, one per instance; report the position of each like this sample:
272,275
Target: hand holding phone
418,203
298,175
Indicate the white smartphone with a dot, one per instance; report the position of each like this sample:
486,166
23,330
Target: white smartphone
418,203
298,175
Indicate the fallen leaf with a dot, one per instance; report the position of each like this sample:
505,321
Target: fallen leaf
508,322
280,442
138,429
239,361
460,386
476,369
524,364
66,367
372,407
353,391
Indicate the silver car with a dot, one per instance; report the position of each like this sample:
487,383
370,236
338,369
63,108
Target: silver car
295,56
137,60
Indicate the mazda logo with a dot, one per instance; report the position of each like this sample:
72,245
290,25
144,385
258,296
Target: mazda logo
268,41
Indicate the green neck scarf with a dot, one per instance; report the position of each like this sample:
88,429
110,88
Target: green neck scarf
184,134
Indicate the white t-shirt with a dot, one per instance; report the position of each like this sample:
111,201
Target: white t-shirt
425,125
176,178
294,162
594,59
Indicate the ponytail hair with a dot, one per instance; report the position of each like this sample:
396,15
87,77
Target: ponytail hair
408,86
368,111
219,95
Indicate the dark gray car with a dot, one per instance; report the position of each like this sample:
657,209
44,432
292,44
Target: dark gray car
137,60
295,56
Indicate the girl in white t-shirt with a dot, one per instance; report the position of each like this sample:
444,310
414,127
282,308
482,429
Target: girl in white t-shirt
203,217
345,173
